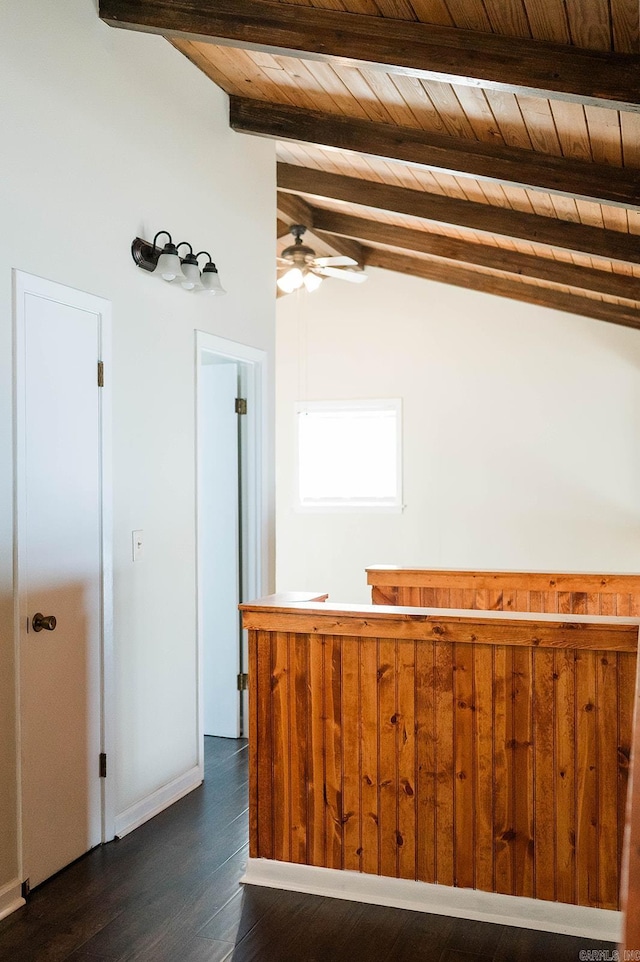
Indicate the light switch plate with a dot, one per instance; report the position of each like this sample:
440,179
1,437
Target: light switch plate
137,544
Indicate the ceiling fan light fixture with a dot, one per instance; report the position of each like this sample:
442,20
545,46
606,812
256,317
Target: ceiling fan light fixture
312,281
291,281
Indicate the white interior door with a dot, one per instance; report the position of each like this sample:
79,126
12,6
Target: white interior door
219,547
60,572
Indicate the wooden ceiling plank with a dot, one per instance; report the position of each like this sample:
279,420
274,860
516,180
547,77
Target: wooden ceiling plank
506,110
432,11
614,218
604,135
540,124
573,133
522,168
590,214
453,55
449,210
479,255
508,19
548,19
396,9
630,127
625,15
194,53
356,83
504,287
451,115
327,77
589,24
469,15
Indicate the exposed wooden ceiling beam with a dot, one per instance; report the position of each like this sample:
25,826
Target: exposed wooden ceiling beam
580,238
422,50
282,229
507,165
479,255
295,210
504,287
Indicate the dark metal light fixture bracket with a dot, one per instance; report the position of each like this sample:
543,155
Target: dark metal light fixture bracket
145,254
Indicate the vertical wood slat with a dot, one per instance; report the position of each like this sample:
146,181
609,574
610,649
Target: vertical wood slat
484,679
444,763
351,722
627,666
477,765
426,736
586,786
406,755
523,781
607,752
316,847
332,672
369,755
299,746
264,791
503,794
544,761
464,766
565,774
255,744
280,726
387,751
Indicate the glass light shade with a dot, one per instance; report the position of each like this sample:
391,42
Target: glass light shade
192,276
291,281
169,266
210,280
311,281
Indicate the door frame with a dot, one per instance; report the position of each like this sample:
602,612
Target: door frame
23,284
255,465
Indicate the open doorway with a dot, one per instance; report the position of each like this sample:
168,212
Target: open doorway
230,384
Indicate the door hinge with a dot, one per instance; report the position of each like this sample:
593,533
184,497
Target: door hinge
243,681
241,405
100,373
25,889
103,764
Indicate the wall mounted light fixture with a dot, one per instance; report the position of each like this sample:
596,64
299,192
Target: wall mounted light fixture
167,263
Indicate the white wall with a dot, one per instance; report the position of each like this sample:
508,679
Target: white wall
521,432
107,134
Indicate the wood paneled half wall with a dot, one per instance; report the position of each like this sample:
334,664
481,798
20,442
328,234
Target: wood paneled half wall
483,750
564,593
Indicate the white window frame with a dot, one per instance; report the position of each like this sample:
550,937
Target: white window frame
353,507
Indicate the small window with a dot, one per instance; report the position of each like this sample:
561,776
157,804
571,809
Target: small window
349,455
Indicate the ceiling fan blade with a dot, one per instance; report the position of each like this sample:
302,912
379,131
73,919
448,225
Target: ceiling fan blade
356,277
339,261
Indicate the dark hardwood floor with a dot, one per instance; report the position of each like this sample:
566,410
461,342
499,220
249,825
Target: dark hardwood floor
169,892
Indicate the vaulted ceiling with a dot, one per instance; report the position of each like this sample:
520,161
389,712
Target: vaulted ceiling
491,144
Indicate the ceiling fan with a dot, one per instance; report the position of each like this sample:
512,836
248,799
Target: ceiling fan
299,266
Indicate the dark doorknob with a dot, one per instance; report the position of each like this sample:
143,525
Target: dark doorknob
46,622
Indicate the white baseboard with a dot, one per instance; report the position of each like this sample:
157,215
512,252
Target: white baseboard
10,898
525,913
153,804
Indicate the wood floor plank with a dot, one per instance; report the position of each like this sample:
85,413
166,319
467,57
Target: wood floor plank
170,892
